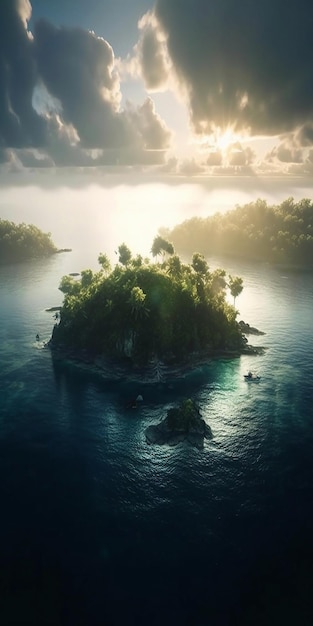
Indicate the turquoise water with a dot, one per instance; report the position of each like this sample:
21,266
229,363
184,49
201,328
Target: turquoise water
96,527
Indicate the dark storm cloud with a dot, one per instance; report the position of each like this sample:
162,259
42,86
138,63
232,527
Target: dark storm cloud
60,93
20,126
78,70
247,62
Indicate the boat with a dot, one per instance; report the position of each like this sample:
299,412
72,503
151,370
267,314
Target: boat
251,377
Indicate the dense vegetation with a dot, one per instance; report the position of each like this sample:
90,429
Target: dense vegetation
19,242
278,234
181,423
144,309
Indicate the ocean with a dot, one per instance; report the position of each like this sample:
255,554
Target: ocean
97,527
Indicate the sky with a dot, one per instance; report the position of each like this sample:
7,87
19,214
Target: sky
168,88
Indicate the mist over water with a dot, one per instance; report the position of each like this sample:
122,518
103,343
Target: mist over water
96,218
96,527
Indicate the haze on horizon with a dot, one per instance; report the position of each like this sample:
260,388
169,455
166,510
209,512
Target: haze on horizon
79,214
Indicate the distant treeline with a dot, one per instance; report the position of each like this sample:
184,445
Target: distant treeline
256,231
19,242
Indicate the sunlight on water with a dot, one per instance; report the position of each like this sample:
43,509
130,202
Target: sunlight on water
80,480
95,218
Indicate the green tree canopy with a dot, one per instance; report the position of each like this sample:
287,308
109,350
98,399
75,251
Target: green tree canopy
125,254
19,242
273,233
145,310
199,264
103,260
161,246
235,284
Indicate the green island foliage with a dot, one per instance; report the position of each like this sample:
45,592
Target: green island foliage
144,309
279,234
184,416
19,242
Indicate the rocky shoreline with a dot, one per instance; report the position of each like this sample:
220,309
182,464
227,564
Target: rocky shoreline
156,371
249,330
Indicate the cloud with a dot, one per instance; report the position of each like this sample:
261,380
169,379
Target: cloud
215,158
190,167
24,10
304,168
239,156
20,126
60,94
286,153
292,148
153,131
304,136
151,53
5,156
77,68
170,167
246,64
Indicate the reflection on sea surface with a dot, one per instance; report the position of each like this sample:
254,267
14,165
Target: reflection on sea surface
91,514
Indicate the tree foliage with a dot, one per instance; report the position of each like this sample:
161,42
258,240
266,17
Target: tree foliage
257,231
103,260
125,254
19,242
161,246
142,310
235,285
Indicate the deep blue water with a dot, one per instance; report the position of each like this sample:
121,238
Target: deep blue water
96,527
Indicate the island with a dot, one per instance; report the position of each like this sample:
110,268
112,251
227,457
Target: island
277,234
182,423
147,311
20,242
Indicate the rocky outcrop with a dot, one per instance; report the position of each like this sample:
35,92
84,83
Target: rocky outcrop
180,424
249,330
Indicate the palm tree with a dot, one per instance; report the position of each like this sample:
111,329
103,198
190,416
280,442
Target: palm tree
125,254
199,264
235,285
161,246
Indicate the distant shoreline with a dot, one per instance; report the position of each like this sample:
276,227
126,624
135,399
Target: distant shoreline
292,267
37,257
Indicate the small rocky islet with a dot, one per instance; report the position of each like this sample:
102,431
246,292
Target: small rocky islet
182,423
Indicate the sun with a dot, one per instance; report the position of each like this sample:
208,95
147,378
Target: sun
223,139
